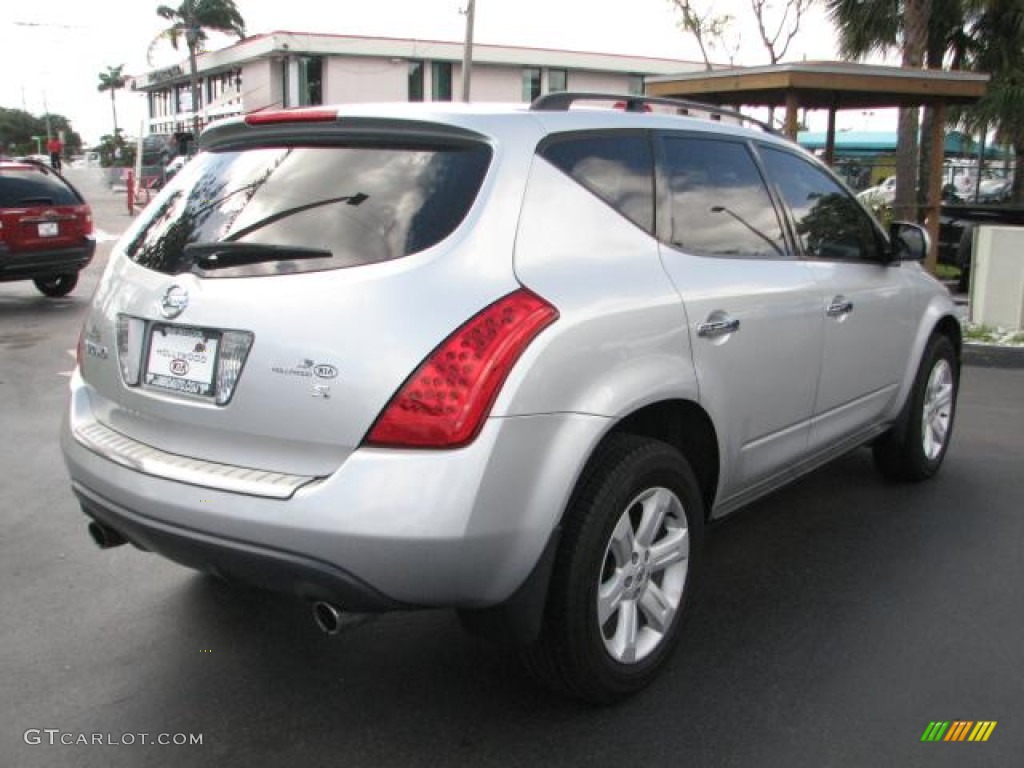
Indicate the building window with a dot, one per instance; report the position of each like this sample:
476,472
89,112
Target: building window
311,81
183,97
635,85
558,80
531,83
441,81
223,87
415,81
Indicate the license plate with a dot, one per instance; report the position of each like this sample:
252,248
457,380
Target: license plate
182,359
49,229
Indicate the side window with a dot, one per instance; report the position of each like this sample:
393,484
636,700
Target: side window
829,222
617,167
718,200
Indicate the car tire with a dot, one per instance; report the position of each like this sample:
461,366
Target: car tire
59,285
913,450
638,499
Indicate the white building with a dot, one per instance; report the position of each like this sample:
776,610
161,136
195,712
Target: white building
290,69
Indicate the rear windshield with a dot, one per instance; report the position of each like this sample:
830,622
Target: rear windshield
362,204
22,188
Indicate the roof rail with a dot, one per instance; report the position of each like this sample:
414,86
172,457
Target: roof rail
563,100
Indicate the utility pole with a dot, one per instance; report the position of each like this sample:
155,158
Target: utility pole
467,51
46,111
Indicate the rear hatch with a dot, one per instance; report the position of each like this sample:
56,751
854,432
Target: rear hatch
39,211
271,300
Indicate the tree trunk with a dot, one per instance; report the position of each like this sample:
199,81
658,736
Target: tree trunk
113,108
915,44
933,60
193,74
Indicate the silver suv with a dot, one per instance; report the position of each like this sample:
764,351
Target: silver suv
508,360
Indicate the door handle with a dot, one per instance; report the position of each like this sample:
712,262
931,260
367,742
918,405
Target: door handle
717,324
839,306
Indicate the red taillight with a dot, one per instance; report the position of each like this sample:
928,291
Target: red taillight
444,403
291,116
85,220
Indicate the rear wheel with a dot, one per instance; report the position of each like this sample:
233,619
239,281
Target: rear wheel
59,285
915,447
624,572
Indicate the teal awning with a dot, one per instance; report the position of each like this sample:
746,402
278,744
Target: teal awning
884,142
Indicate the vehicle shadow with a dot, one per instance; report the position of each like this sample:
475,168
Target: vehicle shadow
807,597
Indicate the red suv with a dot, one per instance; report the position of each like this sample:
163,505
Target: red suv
46,232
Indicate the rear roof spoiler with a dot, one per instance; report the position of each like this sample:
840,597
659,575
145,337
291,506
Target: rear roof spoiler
242,133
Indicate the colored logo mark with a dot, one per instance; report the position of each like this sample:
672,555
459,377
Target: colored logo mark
959,730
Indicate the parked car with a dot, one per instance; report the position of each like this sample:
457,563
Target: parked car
994,190
882,194
505,360
46,228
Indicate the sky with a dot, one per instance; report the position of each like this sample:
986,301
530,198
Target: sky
51,53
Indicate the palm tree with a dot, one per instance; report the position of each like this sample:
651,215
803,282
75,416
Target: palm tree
112,80
987,35
999,49
190,20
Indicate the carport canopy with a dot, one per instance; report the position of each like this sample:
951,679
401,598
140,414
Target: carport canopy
832,86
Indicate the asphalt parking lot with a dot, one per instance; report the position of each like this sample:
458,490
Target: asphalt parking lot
837,619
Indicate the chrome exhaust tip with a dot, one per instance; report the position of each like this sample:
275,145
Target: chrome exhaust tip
329,618
105,536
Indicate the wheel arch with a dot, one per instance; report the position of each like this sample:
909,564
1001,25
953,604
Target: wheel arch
686,426
681,423
950,327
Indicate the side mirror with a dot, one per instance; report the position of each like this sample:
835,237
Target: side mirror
909,241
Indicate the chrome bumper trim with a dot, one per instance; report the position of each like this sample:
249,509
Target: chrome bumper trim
148,460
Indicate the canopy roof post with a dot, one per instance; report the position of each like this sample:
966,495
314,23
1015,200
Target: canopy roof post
792,119
933,209
830,136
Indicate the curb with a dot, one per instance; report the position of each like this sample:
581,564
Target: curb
991,356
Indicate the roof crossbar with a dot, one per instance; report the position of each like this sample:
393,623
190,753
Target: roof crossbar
563,100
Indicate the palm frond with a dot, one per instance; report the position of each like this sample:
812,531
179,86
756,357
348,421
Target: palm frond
171,35
866,26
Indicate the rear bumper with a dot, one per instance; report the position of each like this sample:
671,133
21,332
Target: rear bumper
261,566
459,528
30,265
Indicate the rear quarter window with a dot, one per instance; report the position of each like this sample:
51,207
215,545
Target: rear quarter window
618,167
363,204
29,187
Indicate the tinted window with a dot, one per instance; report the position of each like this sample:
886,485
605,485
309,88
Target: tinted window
531,83
720,205
618,168
363,204
828,220
22,188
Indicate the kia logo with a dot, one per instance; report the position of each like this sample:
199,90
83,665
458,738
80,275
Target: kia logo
324,371
179,367
174,301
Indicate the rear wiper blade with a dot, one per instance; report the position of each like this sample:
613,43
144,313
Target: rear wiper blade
224,255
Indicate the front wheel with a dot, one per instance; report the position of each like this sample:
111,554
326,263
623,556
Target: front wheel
624,572
60,285
914,448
